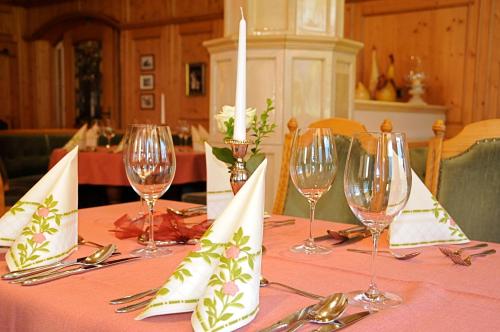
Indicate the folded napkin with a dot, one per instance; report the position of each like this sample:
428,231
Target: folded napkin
42,227
203,133
219,280
78,139
168,227
91,137
424,222
196,140
219,192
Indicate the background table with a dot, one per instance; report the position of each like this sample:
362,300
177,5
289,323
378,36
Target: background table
104,168
438,295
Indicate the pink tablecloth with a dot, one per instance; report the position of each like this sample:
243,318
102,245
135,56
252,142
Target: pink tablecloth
104,168
438,295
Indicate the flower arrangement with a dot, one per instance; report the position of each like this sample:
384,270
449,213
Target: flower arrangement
260,127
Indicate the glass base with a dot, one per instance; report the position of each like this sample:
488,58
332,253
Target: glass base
148,253
310,248
380,301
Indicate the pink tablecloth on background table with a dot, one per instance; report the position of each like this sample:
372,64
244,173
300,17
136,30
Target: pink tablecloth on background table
438,295
104,168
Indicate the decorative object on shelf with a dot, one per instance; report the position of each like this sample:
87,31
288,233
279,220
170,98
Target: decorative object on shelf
385,90
416,77
147,101
195,79
374,74
147,62
147,82
362,92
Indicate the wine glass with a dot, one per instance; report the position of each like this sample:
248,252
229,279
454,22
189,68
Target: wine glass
107,131
150,167
377,183
313,165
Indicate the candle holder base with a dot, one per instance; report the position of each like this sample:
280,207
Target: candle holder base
239,174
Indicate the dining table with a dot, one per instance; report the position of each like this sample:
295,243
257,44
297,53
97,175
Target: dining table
104,167
437,294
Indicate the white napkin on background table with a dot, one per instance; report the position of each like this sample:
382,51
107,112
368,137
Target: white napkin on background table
219,192
92,137
424,222
78,139
203,133
196,140
219,280
42,227
119,148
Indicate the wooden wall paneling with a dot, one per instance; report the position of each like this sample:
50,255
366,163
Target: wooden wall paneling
40,15
43,93
116,9
183,8
441,33
142,11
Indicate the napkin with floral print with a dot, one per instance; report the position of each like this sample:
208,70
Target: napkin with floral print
424,222
219,192
42,227
78,139
219,280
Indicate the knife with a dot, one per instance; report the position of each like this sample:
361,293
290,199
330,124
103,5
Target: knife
295,316
82,269
35,270
342,322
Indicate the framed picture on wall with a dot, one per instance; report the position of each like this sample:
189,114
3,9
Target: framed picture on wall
147,62
195,79
147,82
147,101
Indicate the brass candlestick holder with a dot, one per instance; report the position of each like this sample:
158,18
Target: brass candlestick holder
239,174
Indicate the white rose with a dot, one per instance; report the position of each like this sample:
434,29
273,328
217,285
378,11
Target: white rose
227,112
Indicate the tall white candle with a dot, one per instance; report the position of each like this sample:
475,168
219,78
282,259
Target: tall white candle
162,109
240,103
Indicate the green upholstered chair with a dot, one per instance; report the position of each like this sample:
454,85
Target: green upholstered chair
464,174
333,205
418,158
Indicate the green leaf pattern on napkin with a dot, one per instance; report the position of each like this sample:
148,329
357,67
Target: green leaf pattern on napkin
442,217
236,255
44,221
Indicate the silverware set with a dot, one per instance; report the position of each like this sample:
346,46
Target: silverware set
389,253
189,212
348,235
456,255
58,270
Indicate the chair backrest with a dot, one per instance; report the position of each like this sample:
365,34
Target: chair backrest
333,205
2,197
464,175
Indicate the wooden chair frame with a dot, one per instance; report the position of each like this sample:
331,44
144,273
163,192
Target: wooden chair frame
341,126
440,149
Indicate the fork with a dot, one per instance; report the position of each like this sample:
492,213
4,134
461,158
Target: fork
402,257
467,261
448,252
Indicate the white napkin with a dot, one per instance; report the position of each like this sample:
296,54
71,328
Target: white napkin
219,192
42,227
203,133
423,222
91,137
196,140
78,139
219,280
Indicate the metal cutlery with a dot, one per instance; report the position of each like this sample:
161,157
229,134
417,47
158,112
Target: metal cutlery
467,261
293,317
341,236
278,223
342,322
130,298
189,212
82,269
96,257
449,252
82,241
388,253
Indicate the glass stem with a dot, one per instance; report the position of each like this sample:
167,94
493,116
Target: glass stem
373,291
312,205
151,244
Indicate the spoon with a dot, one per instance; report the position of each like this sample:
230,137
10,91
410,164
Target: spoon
96,257
82,241
325,311
402,257
129,298
449,252
467,261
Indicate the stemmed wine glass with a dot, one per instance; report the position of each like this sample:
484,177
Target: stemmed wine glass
150,166
107,131
377,183
313,165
